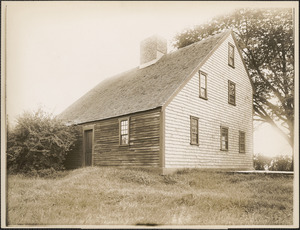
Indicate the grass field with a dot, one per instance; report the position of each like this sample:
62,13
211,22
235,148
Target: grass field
104,196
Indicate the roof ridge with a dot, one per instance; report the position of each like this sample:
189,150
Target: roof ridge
205,39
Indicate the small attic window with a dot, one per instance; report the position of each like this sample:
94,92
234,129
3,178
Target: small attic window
231,55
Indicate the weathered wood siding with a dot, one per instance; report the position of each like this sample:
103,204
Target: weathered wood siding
74,158
212,113
144,141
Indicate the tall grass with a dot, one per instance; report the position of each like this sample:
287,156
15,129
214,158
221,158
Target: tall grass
102,196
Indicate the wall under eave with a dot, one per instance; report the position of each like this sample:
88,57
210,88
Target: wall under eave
143,148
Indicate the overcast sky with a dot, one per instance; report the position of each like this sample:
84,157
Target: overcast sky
57,51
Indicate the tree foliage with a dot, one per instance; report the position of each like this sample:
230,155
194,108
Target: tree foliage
266,39
38,141
261,162
278,163
282,163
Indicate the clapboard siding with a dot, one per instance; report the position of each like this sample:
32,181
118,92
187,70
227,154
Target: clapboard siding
144,142
212,113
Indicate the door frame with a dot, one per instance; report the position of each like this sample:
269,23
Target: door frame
86,128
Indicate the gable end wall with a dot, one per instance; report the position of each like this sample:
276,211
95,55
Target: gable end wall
212,113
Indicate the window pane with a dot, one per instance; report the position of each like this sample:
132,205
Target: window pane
231,89
203,80
194,130
125,139
231,51
194,138
242,142
124,132
231,92
203,92
224,138
223,144
194,122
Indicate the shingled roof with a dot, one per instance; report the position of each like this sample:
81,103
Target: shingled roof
140,89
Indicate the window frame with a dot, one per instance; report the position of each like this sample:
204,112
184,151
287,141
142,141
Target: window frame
204,74
226,140
229,101
229,56
191,130
240,144
120,130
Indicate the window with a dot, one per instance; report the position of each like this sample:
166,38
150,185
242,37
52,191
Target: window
203,85
231,55
124,131
194,131
242,141
231,92
224,138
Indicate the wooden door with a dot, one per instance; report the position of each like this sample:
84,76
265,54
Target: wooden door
88,147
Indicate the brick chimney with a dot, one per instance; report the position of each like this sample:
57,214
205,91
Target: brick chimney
151,50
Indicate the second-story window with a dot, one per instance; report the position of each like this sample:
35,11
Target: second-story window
231,92
124,131
230,55
203,85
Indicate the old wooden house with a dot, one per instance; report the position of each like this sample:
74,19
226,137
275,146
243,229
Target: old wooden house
188,108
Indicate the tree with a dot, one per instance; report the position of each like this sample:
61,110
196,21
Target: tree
266,39
261,162
282,163
38,141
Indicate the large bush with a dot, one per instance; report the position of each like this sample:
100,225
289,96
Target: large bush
39,141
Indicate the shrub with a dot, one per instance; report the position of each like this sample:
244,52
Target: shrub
282,163
261,162
38,141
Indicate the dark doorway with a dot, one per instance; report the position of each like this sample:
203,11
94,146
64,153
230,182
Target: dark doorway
88,147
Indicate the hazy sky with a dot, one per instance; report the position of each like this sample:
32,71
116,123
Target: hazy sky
57,51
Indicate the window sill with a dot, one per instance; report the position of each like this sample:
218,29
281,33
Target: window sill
194,144
232,104
224,150
232,66
205,98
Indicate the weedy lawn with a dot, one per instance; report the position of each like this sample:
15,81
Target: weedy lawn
104,196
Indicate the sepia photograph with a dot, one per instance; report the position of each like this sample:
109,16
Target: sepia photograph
149,114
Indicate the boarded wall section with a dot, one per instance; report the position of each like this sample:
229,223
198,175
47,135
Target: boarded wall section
144,143
143,148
